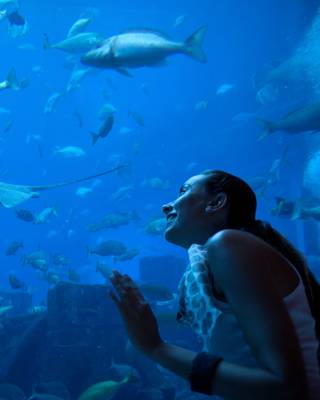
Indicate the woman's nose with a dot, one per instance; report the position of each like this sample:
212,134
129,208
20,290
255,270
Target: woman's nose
166,208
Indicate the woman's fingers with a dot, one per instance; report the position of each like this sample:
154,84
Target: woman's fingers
126,287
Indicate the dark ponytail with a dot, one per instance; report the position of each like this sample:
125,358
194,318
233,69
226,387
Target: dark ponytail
242,210
270,235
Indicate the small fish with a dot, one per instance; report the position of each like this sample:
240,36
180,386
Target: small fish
223,89
83,191
3,15
113,221
156,183
51,103
5,111
37,309
37,260
301,212
124,130
78,117
123,370
15,283
137,117
13,248
60,259
156,226
45,215
79,26
180,20
51,277
76,77
27,47
70,151
104,390
104,129
108,248
143,48
5,310
11,82
104,269
25,215
284,207
306,119
202,105
106,110
76,44
123,193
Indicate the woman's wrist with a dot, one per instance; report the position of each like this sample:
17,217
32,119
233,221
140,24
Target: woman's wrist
158,351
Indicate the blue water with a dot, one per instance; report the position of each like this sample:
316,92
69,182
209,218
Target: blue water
244,39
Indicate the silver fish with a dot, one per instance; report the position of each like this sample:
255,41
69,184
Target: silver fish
306,119
77,44
141,48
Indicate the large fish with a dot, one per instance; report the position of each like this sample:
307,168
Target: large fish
142,48
306,119
77,44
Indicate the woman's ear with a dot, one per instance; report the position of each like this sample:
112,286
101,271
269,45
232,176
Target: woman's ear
219,201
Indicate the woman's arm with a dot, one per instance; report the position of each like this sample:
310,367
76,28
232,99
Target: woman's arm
230,381
239,262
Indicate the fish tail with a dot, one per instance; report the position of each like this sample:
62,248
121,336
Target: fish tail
94,137
12,80
46,44
193,45
268,127
130,378
297,211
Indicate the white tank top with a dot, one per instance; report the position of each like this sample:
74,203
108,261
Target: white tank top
219,330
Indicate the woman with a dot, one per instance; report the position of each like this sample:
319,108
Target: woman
255,302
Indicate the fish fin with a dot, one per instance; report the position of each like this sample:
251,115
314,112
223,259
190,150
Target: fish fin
94,137
12,80
268,127
124,71
46,44
193,45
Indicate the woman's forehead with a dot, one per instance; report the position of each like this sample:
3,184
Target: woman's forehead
195,180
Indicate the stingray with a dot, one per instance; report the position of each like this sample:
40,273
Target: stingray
12,195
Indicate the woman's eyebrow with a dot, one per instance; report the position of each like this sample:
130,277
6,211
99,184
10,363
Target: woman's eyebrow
185,186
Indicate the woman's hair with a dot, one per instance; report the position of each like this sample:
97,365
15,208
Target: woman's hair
242,209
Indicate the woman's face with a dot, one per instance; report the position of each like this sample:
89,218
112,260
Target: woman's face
188,218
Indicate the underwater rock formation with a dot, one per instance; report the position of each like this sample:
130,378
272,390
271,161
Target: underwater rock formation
73,342
72,345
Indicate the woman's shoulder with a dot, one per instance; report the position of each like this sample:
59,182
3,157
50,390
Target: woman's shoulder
233,237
